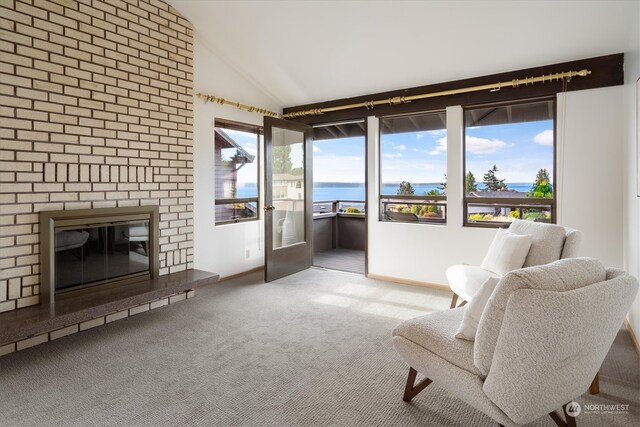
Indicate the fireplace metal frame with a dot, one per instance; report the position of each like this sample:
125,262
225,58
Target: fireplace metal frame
49,220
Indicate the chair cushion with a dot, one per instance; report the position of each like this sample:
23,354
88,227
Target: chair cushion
547,243
559,276
473,311
435,332
465,280
507,252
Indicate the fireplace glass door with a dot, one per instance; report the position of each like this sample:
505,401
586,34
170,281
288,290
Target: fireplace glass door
91,255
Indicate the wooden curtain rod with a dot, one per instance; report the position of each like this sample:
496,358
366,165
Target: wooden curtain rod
396,100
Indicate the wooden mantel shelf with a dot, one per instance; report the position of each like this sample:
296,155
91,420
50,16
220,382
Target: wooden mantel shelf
31,321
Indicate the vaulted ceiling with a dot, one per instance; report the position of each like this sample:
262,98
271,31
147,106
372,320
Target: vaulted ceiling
300,52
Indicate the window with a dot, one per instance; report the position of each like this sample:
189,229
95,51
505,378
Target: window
509,163
413,168
236,171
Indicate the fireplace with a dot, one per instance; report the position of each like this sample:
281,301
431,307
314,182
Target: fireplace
85,250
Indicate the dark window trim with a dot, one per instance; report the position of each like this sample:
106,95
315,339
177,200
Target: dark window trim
511,202
408,197
258,131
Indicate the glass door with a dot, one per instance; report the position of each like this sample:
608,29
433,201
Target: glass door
288,198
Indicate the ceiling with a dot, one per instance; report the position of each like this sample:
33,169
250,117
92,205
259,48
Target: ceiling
300,52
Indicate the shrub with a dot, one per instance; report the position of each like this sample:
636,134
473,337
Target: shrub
430,215
514,214
352,210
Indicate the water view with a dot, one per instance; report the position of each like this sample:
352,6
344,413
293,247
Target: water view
326,191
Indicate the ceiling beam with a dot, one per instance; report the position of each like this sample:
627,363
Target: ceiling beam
605,71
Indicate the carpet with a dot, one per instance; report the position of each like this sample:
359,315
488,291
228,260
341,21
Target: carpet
312,349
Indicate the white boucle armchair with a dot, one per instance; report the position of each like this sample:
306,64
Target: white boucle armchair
541,339
550,243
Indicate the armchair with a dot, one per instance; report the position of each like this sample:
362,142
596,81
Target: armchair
550,243
541,339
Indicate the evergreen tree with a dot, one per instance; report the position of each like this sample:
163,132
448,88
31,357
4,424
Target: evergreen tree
282,159
541,176
406,188
443,185
542,186
470,183
492,182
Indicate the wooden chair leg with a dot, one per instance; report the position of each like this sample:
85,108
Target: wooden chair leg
454,300
410,391
462,304
571,421
594,388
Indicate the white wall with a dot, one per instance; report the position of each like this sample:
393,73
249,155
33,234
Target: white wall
632,202
222,249
590,170
590,195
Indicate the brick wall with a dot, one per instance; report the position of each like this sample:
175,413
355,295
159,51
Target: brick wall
95,111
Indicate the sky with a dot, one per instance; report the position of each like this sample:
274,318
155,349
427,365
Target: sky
519,150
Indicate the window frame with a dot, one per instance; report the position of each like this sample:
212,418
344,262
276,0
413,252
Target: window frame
384,199
523,202
259,133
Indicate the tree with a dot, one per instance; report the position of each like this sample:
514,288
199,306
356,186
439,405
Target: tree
541,187
492,182
406,188
470,183
542,175
282,159
443,185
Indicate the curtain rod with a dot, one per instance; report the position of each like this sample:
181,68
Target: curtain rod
249,108
396,100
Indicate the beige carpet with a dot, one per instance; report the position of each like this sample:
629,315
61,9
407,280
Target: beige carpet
313,349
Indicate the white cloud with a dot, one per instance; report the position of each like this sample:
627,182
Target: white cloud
392,156
440,148
419,135
544,138
437,132
316,149
400,147
484,145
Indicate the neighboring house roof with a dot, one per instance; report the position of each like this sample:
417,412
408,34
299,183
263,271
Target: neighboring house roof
504,193
225,141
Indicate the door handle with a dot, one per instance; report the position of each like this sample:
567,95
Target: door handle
269,208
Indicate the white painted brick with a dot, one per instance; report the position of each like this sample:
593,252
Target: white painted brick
179,297
63,332
91,323
74,120
117,316
28,301
30,342
159,303
139,309
8,348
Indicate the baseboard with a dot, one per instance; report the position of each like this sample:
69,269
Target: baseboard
632,334
244,273
410,282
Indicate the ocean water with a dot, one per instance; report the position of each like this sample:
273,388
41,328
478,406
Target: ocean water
326,191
